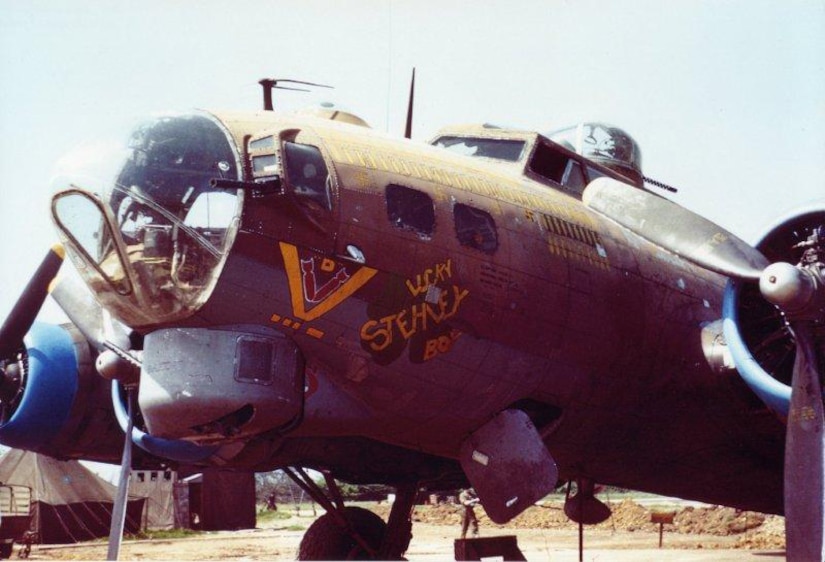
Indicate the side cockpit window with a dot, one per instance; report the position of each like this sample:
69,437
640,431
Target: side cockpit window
475,228
410,209
558,167
307,174
573,178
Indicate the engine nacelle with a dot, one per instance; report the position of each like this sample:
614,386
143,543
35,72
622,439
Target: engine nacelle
758,336
62,407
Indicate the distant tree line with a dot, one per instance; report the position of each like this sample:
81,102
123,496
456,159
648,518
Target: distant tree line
277,486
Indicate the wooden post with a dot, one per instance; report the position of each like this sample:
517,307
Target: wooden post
661,518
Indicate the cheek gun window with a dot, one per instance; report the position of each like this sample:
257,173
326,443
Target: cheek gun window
307,174
475,228
409,209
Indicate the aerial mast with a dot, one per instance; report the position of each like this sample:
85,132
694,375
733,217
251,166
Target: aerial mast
268,84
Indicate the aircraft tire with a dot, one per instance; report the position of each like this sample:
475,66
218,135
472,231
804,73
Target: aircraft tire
326,540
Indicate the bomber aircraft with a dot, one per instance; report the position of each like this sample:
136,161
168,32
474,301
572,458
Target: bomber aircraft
498,308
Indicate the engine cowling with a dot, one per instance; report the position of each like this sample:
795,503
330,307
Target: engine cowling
760,340
57,404
60,405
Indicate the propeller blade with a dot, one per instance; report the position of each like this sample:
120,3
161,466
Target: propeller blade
674,228
122,497
77,301
805,454
22,316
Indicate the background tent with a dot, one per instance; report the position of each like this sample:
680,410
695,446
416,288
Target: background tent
69,502
156,486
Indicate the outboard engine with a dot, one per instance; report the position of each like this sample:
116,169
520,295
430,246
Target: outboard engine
54,401
760,339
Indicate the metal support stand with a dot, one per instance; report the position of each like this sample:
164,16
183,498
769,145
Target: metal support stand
581,541
122,497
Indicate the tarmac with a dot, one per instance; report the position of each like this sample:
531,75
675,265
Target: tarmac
430,543
600,546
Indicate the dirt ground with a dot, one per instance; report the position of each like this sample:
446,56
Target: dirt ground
697,534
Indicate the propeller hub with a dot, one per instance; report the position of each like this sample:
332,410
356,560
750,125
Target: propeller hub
790,288
11,378
113,366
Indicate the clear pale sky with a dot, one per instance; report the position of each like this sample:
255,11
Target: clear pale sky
726,98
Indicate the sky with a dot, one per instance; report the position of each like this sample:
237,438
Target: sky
725,98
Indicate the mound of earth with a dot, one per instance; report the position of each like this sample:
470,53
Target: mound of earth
755,530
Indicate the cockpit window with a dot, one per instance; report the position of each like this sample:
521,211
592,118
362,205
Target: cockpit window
573,177
553,164
171,160
499,149
161,230
83,220
307,173
267,163
165,185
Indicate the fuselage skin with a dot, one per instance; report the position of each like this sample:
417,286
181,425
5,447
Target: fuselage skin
592,330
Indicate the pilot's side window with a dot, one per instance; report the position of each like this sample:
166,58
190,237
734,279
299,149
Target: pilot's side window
556,166
573,178
410,209
307,173
475,228
549,163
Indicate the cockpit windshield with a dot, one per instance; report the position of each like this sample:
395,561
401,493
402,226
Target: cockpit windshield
500,149
150,234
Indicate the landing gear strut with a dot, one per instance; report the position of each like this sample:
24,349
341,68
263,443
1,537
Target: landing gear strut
354,533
